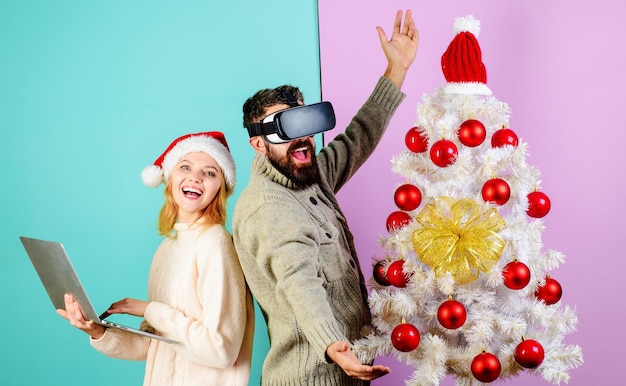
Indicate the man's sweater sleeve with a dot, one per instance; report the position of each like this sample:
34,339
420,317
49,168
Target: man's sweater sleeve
343,156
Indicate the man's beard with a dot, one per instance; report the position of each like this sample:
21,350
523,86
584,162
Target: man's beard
302,175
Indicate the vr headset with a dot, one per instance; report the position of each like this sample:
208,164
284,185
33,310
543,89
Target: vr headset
295,122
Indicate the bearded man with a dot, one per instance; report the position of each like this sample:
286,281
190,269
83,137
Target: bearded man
293,241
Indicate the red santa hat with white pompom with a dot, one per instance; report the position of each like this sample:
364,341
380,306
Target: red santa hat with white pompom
462,62
212,143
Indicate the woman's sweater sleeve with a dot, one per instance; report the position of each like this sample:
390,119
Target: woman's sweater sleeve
122,345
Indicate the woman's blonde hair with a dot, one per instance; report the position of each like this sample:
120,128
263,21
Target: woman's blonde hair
214,213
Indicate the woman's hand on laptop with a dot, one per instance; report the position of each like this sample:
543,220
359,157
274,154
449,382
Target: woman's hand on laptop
73,313
128,306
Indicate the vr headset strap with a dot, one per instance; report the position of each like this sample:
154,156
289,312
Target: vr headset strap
291,100
255,129
268,128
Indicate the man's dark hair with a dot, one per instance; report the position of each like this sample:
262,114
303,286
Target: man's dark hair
255,106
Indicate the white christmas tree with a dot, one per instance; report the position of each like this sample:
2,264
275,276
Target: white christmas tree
465,287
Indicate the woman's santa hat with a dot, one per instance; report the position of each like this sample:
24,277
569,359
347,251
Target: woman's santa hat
212,143
462,62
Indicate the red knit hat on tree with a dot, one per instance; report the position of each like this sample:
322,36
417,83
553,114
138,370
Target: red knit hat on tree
462,62
212,143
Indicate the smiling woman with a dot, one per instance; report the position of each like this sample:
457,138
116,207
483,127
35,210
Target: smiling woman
194,183
197,294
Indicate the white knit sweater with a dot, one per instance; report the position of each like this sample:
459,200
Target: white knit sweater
197,296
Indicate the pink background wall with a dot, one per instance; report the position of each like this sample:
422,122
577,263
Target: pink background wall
559,65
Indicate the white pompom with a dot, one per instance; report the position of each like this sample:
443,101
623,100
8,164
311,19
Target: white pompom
467,24
152,176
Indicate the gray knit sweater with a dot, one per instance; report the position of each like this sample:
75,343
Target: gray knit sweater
298,255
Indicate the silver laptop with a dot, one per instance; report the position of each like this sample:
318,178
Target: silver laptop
58,276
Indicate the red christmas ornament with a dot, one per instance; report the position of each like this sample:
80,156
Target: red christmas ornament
516,275
405,337
529,354
396,275
380,274
415,140
496,191
472,133
451,314
550,292
407,197
538,204
397,220
443,153
486,367
504,137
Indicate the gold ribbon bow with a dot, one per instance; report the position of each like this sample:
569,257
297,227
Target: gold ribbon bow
458,236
